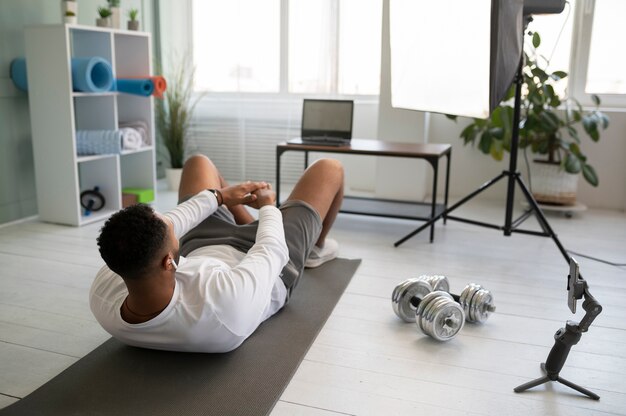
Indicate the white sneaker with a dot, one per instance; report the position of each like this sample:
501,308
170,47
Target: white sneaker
319,256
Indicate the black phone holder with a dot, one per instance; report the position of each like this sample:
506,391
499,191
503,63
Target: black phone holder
569,336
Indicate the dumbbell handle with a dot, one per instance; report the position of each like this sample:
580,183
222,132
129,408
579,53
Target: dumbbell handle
415,301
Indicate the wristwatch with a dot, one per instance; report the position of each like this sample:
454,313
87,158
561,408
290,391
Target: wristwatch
218,196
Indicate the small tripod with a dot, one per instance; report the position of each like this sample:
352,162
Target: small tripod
567,337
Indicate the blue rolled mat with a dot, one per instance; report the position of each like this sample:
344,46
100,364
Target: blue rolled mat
98,142
92,74
18,74
143,87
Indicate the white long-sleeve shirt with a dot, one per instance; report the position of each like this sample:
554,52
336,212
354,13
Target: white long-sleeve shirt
221,295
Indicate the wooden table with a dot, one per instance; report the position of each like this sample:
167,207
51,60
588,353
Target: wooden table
432,153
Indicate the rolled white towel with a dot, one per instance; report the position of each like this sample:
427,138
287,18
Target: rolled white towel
141,127
131,138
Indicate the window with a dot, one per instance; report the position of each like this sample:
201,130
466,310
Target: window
607,67
556,41
334,46
327,46
599,68
237,45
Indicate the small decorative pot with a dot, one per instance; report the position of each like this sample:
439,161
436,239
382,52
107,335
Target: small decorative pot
69,6
115,17
173,178
103,22
69,19
553,185
133,25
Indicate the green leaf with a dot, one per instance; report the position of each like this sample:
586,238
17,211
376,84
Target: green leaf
572,164
573,133
549,120
591,127
596,99
450,117
536,40
496,150
497,133
485,142
558,75
589,173
604,119
575,149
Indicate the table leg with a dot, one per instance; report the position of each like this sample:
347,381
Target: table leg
278,155
433,209
445,202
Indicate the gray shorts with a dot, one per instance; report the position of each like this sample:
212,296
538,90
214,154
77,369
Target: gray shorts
301,222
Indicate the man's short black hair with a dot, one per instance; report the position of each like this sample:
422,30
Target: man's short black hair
130,239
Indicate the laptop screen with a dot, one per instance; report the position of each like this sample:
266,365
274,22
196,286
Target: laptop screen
331,118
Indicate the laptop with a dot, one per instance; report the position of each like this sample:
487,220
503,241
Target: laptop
326,122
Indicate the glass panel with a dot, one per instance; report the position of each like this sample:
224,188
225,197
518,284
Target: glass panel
607,64
237,45
312,47
360,26
556,40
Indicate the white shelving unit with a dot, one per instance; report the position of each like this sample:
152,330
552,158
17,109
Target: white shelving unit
57,112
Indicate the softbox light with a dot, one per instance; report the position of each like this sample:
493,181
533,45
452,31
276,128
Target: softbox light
454,56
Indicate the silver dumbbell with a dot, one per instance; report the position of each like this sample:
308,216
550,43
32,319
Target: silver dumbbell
435,312
476,301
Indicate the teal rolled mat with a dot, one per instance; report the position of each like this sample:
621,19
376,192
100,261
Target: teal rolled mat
91,74
143,87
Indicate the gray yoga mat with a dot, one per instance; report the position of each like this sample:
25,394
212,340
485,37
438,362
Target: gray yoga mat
115,379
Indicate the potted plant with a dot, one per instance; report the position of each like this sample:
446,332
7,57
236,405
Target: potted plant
105,17
114,6
174,115
70,17
69,6
550,127
133,23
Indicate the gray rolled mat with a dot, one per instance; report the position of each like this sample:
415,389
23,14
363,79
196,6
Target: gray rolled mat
115,379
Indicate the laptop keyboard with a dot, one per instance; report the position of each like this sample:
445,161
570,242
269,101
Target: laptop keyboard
325,140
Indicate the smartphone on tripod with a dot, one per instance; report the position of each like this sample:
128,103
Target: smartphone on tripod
575,285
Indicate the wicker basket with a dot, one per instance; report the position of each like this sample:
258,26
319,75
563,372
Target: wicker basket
552,185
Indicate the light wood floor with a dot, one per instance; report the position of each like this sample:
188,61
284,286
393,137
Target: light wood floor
366,362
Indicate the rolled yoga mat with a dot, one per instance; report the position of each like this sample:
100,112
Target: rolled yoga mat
160,85
98,142
115,379
92,74
143,87
18,74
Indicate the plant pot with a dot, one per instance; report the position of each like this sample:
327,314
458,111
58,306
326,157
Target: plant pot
103,22
173,178
133,25
70,19
552,185
69,6
115,17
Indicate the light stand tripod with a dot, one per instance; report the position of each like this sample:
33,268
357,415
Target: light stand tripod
514,177
569,336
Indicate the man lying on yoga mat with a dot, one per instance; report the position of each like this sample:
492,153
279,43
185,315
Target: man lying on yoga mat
205,275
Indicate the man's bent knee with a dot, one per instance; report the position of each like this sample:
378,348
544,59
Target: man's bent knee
331,167
197,158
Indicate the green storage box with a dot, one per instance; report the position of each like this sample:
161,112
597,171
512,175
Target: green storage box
144,195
